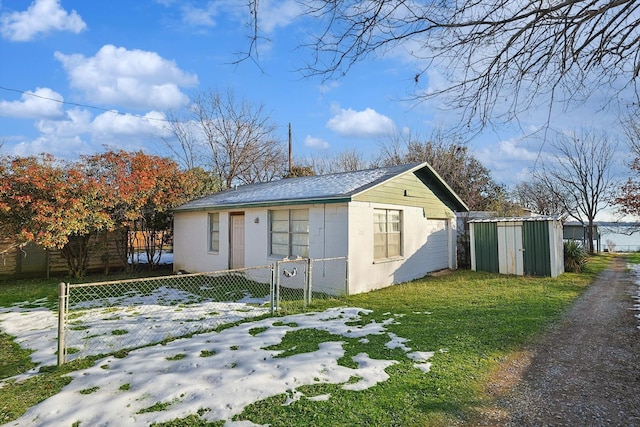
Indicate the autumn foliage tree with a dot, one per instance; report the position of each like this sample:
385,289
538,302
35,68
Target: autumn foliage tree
143,189
629,199
54,205
68,205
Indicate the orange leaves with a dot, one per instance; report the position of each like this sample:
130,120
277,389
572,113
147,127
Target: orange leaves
46,201
55,203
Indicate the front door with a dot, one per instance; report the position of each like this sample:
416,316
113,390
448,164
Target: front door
236,239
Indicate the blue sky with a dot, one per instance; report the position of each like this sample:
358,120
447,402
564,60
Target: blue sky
145,58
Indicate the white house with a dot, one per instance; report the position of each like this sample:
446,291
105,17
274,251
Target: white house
394,224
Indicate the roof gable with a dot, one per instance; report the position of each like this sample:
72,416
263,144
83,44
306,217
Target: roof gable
340,187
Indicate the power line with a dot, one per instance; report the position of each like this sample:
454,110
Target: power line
75,104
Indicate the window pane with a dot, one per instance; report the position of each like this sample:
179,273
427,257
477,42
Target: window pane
281,250
302,251
282,215
300,214
215,241
379,246
214,232
300,226
215,222
280,238
300,239
394,245
379,221
280,226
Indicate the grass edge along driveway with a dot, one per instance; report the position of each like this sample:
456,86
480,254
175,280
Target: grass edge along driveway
478,319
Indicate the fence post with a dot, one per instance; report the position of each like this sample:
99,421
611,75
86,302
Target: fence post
63,292
272,289
309,279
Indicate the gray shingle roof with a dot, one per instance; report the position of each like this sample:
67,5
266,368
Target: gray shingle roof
309,189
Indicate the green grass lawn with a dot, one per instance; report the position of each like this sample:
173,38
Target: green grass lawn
472,321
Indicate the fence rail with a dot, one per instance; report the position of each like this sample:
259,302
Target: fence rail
107,317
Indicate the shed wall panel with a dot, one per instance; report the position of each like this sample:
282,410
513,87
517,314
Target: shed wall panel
486,246
537,258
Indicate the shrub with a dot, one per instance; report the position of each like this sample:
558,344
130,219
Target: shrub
575,257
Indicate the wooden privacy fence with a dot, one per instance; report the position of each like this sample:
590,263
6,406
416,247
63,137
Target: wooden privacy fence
32,260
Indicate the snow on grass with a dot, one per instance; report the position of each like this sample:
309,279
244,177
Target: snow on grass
110,324
215,374
137,320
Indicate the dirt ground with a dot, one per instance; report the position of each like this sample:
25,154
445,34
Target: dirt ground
585,371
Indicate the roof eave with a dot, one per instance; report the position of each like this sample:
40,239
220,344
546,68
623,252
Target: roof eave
262,204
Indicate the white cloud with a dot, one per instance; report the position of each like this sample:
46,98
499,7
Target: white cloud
511,160
62,148
367,123
62,138
313,142
39,104
41,17
274,14
112,123
77,122
201,17
130,78
271,14
82,133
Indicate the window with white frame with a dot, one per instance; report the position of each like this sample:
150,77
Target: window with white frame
289,232
387,233
214,232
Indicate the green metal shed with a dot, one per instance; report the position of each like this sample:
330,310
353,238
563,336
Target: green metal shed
521,245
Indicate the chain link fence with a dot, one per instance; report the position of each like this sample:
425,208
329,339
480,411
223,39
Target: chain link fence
108,317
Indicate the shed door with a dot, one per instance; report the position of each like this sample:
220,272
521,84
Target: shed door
510,248
537,250
486,246
236,240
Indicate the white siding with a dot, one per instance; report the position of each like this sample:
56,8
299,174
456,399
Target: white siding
328,237
427,246
335,230
191,243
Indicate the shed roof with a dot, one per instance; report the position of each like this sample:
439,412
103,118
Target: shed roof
520,218
333,188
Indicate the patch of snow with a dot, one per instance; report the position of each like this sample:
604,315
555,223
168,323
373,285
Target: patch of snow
221,371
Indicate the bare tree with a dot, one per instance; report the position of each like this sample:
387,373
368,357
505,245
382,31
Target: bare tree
348,160
580,174
495,56
628,200
185,140
631,127
533,195
233,138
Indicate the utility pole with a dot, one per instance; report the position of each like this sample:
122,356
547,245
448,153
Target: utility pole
290,151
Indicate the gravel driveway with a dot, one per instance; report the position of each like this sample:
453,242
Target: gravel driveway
585,371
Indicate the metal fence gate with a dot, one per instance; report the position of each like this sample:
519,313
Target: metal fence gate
108,317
